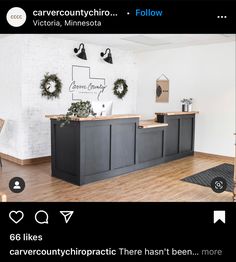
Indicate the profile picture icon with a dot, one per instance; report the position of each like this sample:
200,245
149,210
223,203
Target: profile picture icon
17,184
16,16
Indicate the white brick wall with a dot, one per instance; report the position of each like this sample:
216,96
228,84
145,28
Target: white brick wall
37,55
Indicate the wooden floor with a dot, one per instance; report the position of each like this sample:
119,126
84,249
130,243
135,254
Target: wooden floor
159,183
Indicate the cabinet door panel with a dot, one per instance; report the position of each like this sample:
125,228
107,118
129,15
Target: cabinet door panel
97,149
150,145
65,146
186,134
123,145
172,137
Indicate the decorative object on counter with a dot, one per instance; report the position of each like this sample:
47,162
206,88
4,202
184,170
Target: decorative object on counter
51,86
162,89
120,88
102,108
82,54
78,109
108,59
187,104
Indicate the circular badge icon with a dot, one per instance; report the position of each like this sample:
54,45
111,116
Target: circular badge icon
17,184
16,17
218,184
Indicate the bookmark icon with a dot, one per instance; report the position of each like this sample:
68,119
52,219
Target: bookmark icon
67,215
219,215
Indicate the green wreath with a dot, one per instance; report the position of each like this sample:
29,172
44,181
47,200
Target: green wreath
120,88
51,86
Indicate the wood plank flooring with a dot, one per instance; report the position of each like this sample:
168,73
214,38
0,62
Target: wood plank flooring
159,183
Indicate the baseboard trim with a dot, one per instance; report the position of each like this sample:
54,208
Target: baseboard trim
46,159
23,162
229,158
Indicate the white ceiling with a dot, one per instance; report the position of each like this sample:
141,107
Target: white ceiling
145,42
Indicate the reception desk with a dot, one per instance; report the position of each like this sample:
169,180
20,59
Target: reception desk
94,148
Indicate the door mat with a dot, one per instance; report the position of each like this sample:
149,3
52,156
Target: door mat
204,178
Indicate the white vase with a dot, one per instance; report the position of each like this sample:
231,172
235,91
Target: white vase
190,108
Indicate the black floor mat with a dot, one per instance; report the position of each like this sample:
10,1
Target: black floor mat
204,178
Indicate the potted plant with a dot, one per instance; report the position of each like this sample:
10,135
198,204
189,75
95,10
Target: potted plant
187,104
79,109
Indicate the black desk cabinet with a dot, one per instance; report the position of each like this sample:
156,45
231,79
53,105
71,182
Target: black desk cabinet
87,151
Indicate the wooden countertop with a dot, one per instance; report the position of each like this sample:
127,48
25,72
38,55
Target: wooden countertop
94,118
151,124
177,113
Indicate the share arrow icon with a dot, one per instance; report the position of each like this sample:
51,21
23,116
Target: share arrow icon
67,215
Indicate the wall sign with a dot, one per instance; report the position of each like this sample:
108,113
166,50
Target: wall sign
162,90
83,83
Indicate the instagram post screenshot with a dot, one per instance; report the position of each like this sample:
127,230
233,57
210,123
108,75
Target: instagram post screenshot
117,130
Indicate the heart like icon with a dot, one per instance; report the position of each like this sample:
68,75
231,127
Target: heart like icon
16,216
